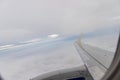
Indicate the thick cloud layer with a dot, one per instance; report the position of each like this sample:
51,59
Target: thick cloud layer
35,58
28,18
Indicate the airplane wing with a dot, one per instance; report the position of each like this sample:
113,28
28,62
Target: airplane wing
95,59
96,63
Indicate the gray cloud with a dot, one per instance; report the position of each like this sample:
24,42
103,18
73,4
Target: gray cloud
27,18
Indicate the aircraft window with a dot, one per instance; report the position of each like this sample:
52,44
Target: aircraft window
38,36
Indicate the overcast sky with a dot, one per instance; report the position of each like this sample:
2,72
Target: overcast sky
21,19
30,23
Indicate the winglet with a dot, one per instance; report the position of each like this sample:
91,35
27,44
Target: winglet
79,41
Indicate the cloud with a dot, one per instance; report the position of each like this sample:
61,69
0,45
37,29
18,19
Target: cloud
116,20
28,19
44,40
31,41
6,47
106,42
53,36
13,34
30,62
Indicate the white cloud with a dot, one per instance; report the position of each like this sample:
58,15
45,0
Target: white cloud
44,40
18,65
53,35
32,41
6,47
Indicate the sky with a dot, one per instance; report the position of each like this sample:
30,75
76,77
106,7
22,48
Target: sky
37,36
27,19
